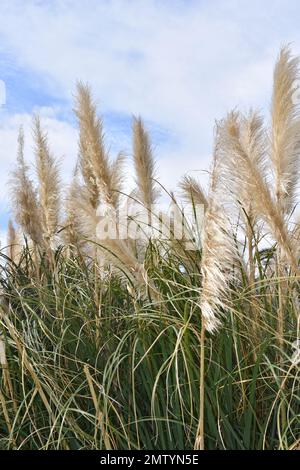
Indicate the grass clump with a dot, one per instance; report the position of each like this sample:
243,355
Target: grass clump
143,343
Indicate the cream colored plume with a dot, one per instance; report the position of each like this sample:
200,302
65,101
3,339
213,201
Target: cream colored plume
193,191
99,196
218,252
285,132
14,243
94,162
49,182
102,179
244,166
73,232
144,164
117,178
24,198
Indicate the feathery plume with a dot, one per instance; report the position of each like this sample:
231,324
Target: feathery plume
217,250
49,183
73,233
245,170
13,243
94,161
285,133
192,191
144,164
25,205
117,178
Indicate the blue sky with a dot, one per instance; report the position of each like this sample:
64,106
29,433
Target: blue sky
180,64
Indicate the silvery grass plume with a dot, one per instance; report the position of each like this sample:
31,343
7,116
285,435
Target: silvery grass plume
11,240
240,194
73,233
93,157
24,198
144,164
117,179
14,244
249,126
236,188
48,183
99,196
119,254
102,180
285,132
192,191
218,253
243,149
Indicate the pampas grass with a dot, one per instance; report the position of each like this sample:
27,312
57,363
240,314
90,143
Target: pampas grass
14,243
94,161
247,169
192,191
285,154
98,197
216,262
155,343
117,178
11,240
285,132
144,164
72,232
217,250
24,198
48,183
